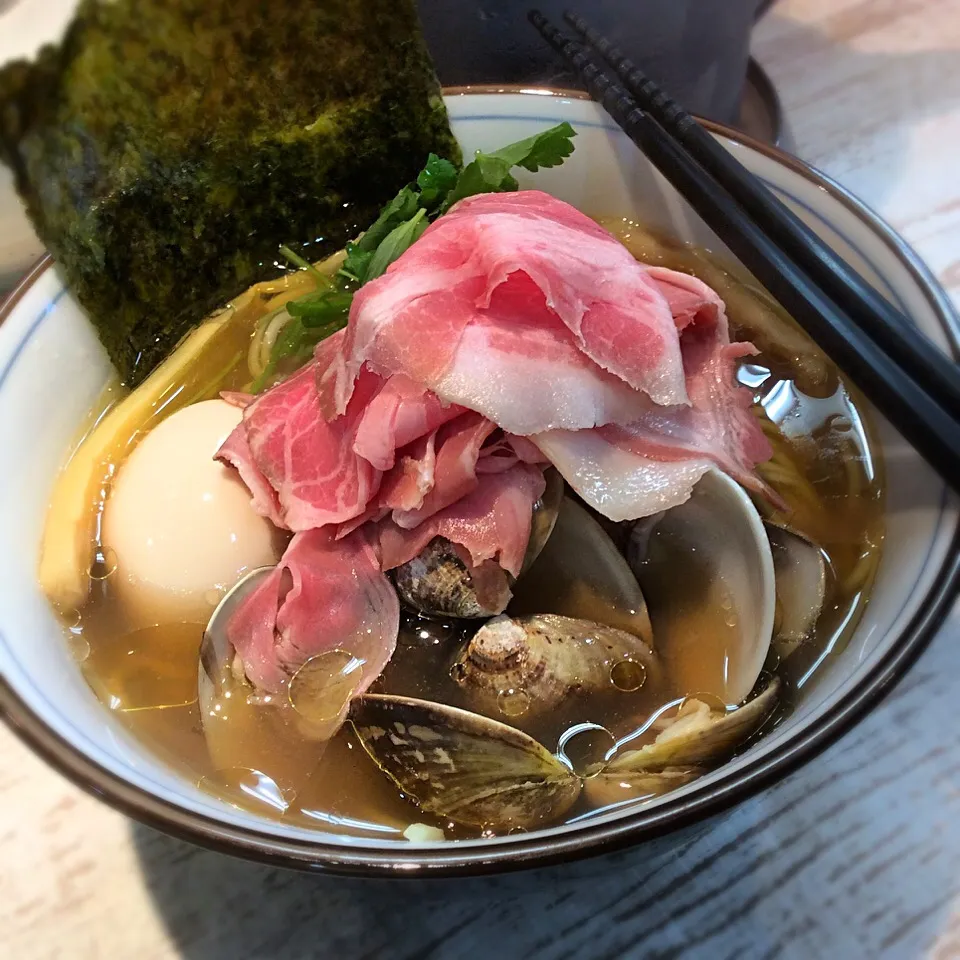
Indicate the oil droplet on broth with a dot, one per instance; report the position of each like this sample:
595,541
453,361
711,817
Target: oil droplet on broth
213,596
324,684
584,746
628,675
70,618
513,703
238,786
79,646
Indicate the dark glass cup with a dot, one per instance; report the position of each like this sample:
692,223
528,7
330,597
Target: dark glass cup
696,49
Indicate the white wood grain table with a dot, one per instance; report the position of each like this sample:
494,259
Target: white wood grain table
856,855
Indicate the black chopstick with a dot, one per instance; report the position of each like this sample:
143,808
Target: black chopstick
840,281
931,426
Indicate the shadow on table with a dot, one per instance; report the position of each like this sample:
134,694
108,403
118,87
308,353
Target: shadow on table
217,908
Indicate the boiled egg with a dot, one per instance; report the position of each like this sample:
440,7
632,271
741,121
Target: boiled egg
178,525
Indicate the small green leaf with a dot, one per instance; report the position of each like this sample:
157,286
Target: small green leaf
356,263
547,149
318,310
399,240
490,172
402,207
436,180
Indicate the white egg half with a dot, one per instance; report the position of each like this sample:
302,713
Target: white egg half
179,524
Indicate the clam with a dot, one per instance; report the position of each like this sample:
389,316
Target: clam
313,703
219,666
697,738
537,662
707,572
580,572
801,582
440,582
463,766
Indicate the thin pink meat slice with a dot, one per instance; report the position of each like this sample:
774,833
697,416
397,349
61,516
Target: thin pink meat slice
652,463
520,366
235,451
689,298
401,412
324,595
318,478
490,523
412,478
718,423
617,482
432,472
455,472
412,319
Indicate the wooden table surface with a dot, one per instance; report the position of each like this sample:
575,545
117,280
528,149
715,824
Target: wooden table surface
856,855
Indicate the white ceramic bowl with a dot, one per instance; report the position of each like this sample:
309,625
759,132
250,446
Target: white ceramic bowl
51,371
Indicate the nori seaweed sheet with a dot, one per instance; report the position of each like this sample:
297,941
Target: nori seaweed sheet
167,147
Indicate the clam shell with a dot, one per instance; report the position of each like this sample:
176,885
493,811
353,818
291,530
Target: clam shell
800,571
438,582
706,569
581,573
463,766
699,735
547,658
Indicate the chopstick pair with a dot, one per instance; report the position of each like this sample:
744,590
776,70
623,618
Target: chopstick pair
911,382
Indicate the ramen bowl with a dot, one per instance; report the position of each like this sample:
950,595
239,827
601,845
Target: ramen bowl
52,370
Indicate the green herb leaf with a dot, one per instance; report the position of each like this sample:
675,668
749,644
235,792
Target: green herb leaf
399,240
321,309
547,149
490,172
436,180
355,265
402,207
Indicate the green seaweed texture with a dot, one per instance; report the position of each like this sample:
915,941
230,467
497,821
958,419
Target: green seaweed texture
167,147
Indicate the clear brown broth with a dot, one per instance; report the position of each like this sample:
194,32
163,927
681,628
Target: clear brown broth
825,468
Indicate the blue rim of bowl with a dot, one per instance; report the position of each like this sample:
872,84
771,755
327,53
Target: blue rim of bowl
591,839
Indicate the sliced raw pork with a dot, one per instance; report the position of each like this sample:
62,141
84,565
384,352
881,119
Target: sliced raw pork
324,595
581,292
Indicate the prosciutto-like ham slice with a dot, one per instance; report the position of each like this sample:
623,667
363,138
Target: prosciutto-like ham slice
458,450
491,523
618,482
309,462
652,463
235,451
324,595
401,412
412,320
